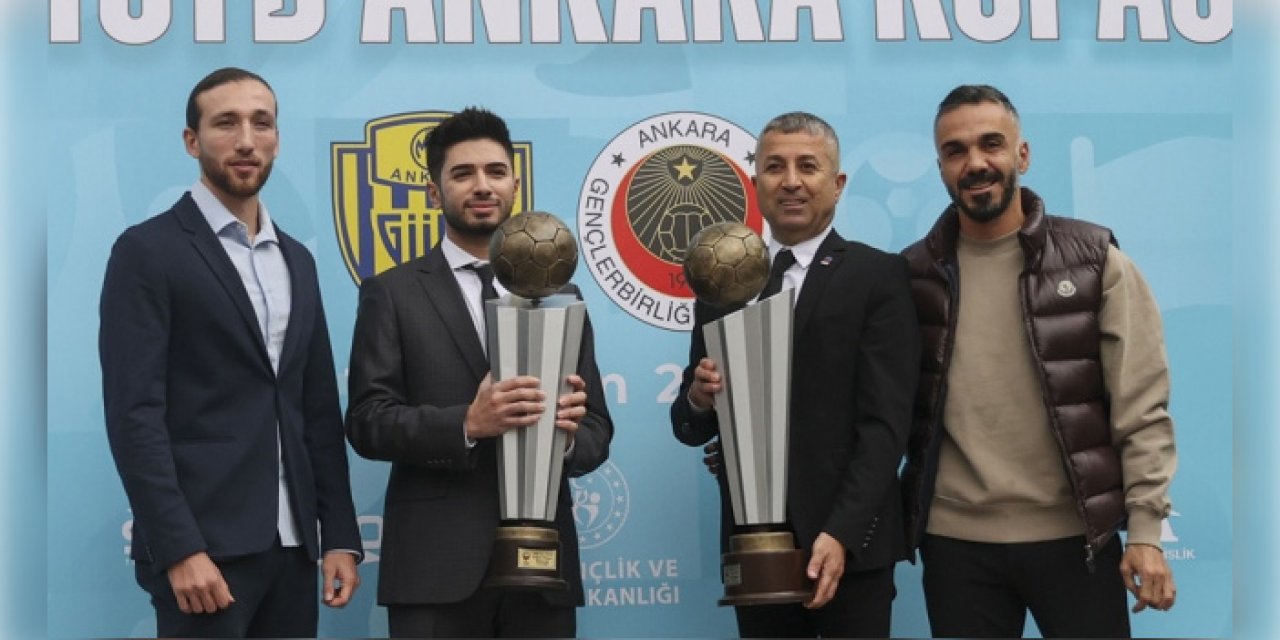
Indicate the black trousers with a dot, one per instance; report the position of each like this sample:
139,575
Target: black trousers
982,590
276,596
488,613
861,608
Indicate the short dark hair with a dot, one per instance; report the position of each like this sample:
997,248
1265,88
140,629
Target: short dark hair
472,123
969,94
225,75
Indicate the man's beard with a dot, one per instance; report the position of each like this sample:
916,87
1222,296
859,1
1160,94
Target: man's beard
457,220
221,178
985,208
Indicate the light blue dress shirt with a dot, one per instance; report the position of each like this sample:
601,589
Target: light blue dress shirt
265,275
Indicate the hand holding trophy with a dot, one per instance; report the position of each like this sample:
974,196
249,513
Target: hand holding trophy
727,264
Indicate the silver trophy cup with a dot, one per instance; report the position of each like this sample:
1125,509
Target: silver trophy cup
533,332
539,338
728,264
752,350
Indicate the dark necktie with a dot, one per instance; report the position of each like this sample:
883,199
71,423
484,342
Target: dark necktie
781,263
485,271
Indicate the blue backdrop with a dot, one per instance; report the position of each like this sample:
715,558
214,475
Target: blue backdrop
1130,114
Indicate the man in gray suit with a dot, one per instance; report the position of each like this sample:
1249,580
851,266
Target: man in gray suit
421,397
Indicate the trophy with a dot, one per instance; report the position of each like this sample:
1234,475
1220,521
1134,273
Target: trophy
534,331
728,264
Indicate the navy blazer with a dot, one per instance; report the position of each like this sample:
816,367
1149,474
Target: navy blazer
192,402
416,363
855,355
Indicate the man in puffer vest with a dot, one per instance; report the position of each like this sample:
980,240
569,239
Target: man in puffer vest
1041,425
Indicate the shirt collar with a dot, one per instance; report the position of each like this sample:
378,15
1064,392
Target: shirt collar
219,217
804,252
456,256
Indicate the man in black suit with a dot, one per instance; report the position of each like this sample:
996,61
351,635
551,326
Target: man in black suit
422,398
855,350
220,394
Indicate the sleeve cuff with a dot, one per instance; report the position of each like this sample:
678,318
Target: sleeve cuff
466,440
1144,528
694,409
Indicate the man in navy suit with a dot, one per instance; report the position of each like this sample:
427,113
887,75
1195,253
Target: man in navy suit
422,398
220,394
855,352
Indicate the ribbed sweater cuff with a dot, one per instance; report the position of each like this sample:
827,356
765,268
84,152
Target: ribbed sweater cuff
1144,527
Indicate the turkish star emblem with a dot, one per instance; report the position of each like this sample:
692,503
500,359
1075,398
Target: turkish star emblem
684,169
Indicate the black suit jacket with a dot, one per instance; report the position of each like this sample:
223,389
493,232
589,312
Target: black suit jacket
416,363
855,357
192,403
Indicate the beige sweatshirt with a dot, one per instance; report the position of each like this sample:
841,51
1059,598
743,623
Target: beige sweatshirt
1000,476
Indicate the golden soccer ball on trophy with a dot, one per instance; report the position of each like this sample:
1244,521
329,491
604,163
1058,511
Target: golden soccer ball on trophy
726,264
533,254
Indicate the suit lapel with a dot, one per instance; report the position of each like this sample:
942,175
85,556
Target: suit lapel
300,302
210,249
825,262
442,290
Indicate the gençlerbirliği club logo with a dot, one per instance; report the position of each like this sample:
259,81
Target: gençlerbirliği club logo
651,189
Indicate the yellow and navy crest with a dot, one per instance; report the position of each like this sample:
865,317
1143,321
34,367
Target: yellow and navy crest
382,213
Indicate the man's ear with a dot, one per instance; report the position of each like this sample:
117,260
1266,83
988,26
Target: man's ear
191,142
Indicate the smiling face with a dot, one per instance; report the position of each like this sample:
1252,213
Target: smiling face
236,140
798,182
476,190
980,155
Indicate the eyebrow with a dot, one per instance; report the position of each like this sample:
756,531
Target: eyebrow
988,135
472,165
807,156
256,113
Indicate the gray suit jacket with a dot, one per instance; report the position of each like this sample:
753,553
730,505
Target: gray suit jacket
416,362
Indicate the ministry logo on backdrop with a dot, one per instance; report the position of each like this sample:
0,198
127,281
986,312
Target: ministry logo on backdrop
382,213
601,502
650,190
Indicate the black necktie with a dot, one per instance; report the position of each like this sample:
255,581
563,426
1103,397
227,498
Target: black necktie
485,271
781,263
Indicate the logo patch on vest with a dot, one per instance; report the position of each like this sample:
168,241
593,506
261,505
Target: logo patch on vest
1066,289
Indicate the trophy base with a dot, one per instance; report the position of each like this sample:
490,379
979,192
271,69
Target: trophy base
764,568
525,557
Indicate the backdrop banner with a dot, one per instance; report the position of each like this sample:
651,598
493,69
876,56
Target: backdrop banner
1128,108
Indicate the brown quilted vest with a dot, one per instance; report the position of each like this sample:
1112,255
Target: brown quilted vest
1061,293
